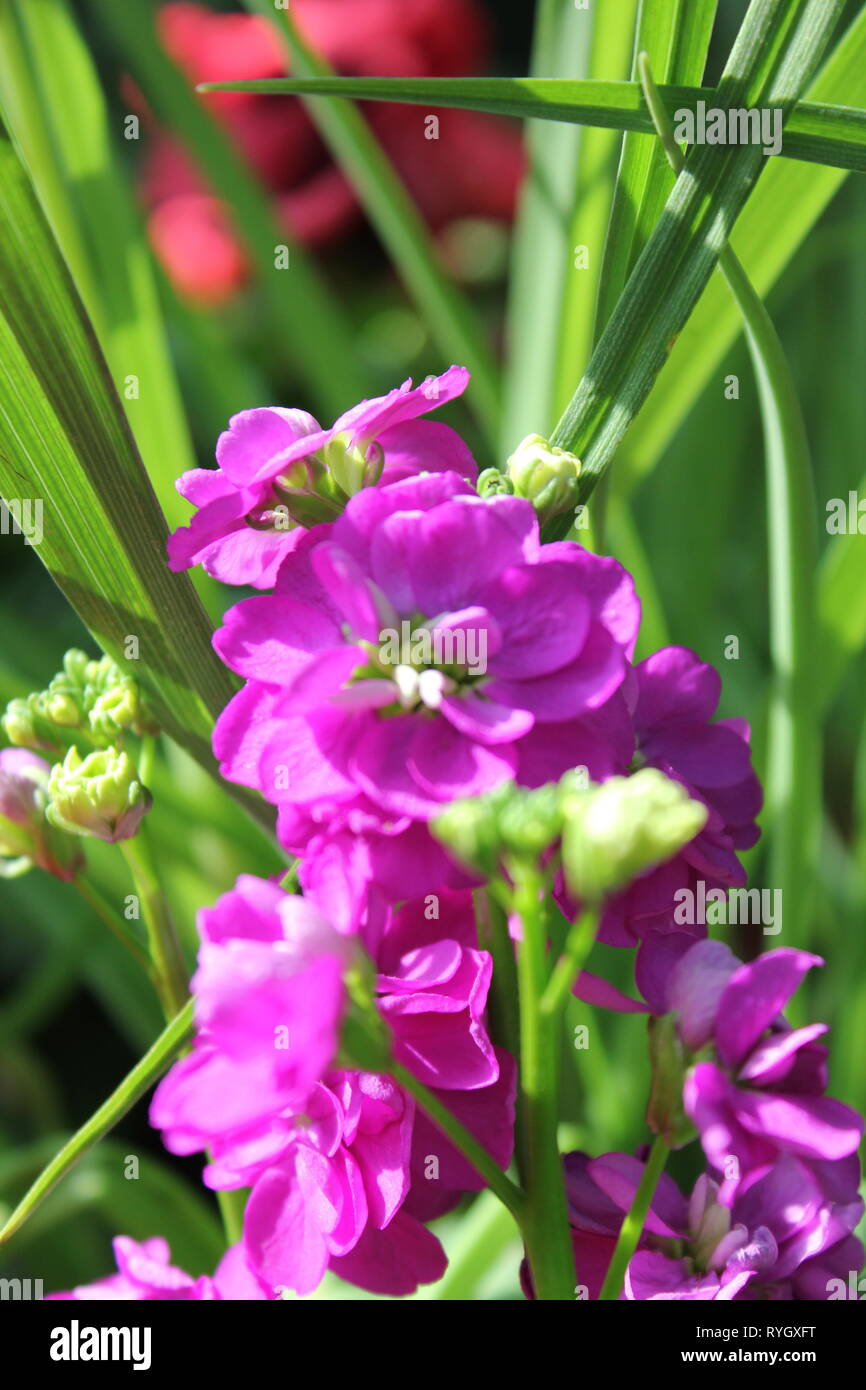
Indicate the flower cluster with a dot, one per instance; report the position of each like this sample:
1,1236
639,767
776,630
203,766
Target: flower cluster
774,1214
341,1170
432,697
474,170
775,1234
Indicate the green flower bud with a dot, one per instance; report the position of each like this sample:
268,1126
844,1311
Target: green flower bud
24,726
492,483
469,829
624,827
545,475
353,466
531,821
99,795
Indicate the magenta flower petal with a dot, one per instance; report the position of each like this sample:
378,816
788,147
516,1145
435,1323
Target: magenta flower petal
696,986
754,996
676,686
771,1061
272,639
369,419
247,450
424,446
484,720
395,1261
445,763
814,1127
545,624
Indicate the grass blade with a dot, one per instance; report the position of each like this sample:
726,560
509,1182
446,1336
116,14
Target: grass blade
155,1062
816,132
773,58
67,454
309,325
59,119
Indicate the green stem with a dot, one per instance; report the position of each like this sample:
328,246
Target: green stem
95,901
794,751
232,1206
153,1064
631,1228
499,1183
168,964
545,1225
578,944
493,936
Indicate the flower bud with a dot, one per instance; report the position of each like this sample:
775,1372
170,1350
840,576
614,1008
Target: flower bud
26,839
545,475
24,726
531,821
99,795
469,829
624,827
353,466
492,483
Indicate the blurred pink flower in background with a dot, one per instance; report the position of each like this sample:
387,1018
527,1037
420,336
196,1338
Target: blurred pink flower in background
473,168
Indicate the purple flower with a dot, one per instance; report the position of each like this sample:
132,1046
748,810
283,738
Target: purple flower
279,471
777,1234
379,670
762,1096
145,1275
673,698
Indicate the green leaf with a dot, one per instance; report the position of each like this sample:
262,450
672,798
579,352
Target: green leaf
794,759
58,117
773,58
541,252
309,325
143,1075
65,448
765,243
446,312
592,200
817,132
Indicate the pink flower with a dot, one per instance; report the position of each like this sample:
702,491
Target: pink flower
278,469
473,169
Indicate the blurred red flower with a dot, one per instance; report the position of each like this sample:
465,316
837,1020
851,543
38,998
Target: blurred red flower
473,168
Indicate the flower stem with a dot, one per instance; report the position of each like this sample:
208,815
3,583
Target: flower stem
95,901
232,1205
545,1225
631,1228
165,953
507,1191
578,944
